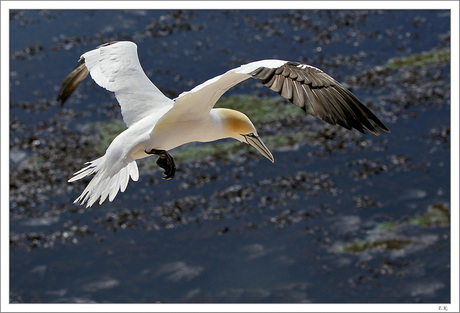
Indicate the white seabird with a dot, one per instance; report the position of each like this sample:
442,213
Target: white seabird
157,124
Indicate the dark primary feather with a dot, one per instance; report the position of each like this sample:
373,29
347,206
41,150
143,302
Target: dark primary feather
320,95
71,82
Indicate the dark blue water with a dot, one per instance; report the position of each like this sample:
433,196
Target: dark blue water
245,232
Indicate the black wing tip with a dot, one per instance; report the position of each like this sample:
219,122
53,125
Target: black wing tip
72,80
376,127
377,133
378,123
62,97
382,126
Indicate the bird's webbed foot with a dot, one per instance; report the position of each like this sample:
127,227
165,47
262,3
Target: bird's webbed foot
166,162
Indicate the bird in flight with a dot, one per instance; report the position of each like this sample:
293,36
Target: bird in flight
157,124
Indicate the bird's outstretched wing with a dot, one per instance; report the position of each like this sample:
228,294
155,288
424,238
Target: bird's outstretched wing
115,66
306,86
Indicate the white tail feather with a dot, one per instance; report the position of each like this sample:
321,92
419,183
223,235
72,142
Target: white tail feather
105,183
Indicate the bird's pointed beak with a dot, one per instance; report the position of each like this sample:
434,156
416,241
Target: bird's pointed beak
257,143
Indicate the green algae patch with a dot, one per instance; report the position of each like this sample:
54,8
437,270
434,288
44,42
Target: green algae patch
385,236
432,57
379,244
436,215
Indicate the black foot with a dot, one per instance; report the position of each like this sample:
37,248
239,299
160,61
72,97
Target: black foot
166,162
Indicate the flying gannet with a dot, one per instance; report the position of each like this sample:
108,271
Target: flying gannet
157,124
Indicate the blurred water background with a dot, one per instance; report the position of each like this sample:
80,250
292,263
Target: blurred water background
340,217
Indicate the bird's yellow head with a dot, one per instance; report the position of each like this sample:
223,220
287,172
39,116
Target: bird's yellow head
237,125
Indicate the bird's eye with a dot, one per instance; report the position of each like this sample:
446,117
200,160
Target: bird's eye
250,135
